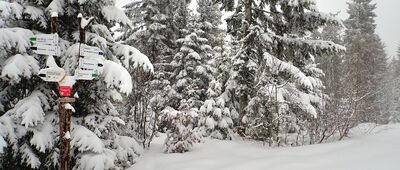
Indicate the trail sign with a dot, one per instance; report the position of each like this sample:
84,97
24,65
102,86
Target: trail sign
46,49
49,39
85,74
90,51
88,64
52,74
89,69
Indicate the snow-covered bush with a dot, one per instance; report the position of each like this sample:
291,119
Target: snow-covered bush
180,134
217,119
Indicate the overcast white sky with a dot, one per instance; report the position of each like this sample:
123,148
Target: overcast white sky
388,18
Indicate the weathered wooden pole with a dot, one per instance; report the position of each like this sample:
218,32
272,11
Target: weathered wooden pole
64,115
65,126
54,18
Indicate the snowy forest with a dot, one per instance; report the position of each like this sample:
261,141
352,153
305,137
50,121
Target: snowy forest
271,73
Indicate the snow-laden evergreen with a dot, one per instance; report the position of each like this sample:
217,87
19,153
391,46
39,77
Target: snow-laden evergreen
365,62
27,119
180,134
216,116
278,86
154,34
192,74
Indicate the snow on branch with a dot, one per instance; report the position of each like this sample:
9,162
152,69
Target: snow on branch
103,31
313,15
113,13
42,137
85,140
3,144
9,10
29,157
97,40
96,161
303,100
127,147
277,65
129,54
7,129
314,46
19,66
115,75
31,109
15,38
36,14
56,6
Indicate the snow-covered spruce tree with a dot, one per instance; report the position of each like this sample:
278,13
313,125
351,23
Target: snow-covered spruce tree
217,112
150,34
192,72
209,18
30,118
215,117
27,117
157,25
365,62
180,135
278,84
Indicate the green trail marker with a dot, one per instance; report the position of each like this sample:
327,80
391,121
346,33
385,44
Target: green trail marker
33,39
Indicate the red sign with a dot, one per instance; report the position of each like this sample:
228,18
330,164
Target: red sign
65,91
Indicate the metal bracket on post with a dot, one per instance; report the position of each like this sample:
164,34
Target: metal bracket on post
66,100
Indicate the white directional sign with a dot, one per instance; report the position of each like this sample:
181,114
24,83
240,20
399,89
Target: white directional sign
49,39
88,64
89,69
53,74
47,49
85,74
46,44
89,51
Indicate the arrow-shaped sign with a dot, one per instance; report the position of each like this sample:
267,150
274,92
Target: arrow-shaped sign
89,51
52,74
85,74
89,69
49,39
46,49
88,64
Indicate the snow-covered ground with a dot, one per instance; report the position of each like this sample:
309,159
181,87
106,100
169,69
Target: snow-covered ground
368,149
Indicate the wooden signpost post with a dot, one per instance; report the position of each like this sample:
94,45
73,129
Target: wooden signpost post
91,63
